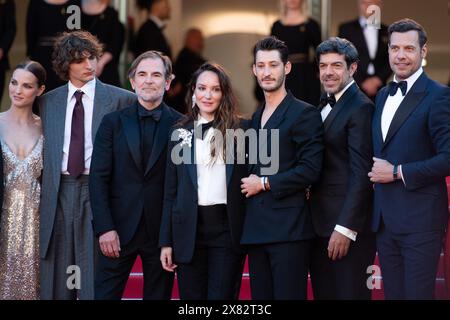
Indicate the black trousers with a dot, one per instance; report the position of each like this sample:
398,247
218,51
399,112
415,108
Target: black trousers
215,271
344,279
279,271
112,274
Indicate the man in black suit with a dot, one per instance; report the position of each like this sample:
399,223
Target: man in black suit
278,227
341,201
7,34
150,35
372,44
127,183
411,143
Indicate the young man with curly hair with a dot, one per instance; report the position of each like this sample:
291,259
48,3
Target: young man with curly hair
71,115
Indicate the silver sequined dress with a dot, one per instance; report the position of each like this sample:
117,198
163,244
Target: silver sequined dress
19,225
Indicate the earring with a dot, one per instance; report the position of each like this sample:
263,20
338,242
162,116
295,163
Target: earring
194,100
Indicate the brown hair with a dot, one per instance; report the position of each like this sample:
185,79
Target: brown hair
71,47
151,55
226,115
406,25
35,68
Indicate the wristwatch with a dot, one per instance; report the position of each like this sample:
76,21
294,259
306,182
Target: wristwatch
395,172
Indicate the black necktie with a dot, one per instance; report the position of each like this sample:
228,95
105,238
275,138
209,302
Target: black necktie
393,87
75,164
155,114
325,99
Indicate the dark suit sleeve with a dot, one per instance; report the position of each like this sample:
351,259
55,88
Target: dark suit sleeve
9,23
170,193
100,177
307,133
422,173
359,140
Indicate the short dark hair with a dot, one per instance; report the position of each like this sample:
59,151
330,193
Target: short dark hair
72,46
35,68
269,44
340,46
406,25
151,55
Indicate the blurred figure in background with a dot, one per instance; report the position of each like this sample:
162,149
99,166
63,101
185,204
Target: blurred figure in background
102,20
188,61
301,34
372,45
45,19
150,35
7,34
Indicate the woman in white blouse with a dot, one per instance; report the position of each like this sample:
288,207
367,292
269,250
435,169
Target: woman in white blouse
203,204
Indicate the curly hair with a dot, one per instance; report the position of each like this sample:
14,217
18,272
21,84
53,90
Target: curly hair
73,47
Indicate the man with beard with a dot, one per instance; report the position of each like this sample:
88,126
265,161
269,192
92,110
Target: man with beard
278,228
341,201
127,183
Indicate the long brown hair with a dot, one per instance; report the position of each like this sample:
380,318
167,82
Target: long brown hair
226,116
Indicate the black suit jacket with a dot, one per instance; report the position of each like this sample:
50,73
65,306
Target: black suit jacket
7,30
151,37
343,195
281,214
120,190
179,223
353,32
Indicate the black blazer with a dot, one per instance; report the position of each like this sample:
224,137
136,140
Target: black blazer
151,37
7,30
120,190
281,214
343,195
353,32
419,140
179,223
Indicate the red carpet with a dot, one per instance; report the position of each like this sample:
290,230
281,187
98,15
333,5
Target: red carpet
135,281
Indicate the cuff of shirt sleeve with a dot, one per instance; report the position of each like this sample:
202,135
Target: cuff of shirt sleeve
346,232
401,173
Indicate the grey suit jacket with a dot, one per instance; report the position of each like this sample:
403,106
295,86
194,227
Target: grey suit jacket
53,114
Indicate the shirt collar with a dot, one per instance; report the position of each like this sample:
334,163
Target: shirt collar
341,93
157,21
201,120
412,79
88,89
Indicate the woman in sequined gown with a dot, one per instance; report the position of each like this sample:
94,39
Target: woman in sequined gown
21,143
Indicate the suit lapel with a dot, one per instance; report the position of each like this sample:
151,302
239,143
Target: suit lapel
255,125
362,40
340,104
132,133
408,105
102,106
161,137
378,135
57,113
192,166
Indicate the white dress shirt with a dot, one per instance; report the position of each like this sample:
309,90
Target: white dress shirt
88,104
327,109
371,36
325,112
211,177
393,102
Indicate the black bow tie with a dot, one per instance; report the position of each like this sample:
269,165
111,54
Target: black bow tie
393,87
325,99
155,114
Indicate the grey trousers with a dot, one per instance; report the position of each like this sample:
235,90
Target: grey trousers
67,273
